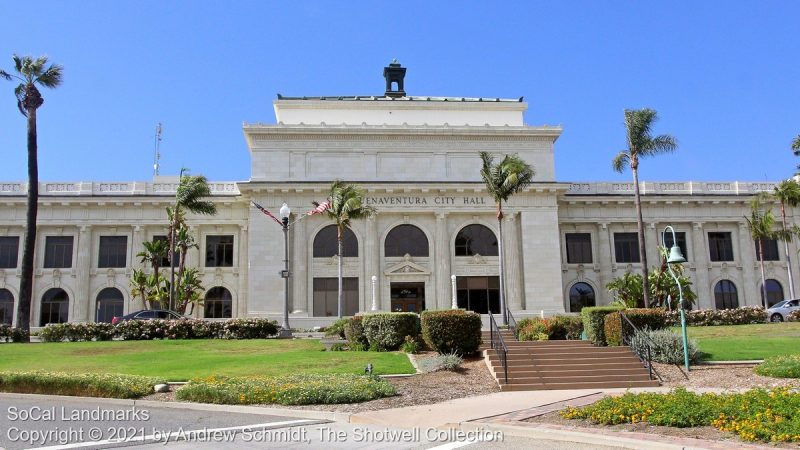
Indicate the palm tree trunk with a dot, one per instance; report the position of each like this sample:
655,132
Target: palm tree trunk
640,223
171,255
763,278
786,250
340,292
29,247
503,310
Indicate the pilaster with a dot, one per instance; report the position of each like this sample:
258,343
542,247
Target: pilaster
604,258
513,263
372,264
240,309
698,266
80,304
299,297
442,264
749,279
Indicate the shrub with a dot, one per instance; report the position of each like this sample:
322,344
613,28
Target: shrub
593,322
387,331
666,346
560,328
641,318
448,361
794,316
249,329
411,345
704,317
532,329
286,390
11,334
782,366
53,333
354,333
106,385
452,331
337,328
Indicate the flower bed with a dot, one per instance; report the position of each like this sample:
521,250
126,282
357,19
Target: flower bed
704,317
286,390
137,330
105,385
783,366
11,334
755,415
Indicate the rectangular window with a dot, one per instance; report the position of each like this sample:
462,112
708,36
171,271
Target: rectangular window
326,301
58,252
113,251
626,247
176,258
219,251
579,248
681,237
9,252
720,246
770,248
479,294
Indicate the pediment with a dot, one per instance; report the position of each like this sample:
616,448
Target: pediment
406,267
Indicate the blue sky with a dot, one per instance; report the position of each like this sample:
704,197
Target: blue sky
724,77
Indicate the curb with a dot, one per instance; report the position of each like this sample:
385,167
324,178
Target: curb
730,363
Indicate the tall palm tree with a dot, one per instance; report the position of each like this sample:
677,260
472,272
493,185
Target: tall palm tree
788,193
30,72
641,143
154,252
503,180
139,286
189,196
346,204
761,224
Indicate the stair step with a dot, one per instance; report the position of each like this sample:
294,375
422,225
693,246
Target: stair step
536,372
567,351
560,368
633,376
578,385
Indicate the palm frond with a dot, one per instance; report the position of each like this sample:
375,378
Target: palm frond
620,162
51,77
191,190
796,145
504,179
661,144
17,63
4,74
788,192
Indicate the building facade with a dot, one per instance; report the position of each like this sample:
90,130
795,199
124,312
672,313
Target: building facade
417,159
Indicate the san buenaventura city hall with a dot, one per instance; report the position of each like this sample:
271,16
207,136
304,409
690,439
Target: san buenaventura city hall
417,158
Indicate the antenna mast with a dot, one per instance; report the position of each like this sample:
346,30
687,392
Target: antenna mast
157,155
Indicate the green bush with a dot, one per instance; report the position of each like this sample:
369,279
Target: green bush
11,334
705,317
665,346
388,331
249,329
594,322
354,333
337,328
561,328
286,390
641,318
105,385
411,345
532,329
447,361
755,415
782,366
452,331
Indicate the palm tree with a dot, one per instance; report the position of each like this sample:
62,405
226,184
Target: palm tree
189,288
761,224
641,144
346,204
30,72
796,147
154,252
788,193
139,286
503,180
189,196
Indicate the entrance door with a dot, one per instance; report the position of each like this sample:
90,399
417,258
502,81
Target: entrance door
408,297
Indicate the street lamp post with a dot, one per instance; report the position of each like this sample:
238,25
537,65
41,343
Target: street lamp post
374,297
676,257
286,332
454,304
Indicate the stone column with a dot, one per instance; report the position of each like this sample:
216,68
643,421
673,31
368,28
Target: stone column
441,265
748,282
240,309
513,263
81,310
137,242
299,279
697,268
604,260
371,259
652,240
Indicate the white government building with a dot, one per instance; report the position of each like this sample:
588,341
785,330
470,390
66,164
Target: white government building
417,158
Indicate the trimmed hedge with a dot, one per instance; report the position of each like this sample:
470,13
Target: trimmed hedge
11,334
76,332
705,317
532,329
354,333
556,328
388,331
642,318
594,322
107,385
452,331
139,330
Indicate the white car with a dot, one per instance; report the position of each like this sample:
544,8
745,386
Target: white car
780,311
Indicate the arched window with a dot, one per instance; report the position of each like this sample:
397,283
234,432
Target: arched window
55,307
110,303
476,240
218,303
725,295
774,292
406,239
581,295
326,243
6,307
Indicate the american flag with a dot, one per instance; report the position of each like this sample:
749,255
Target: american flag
320,207
261,208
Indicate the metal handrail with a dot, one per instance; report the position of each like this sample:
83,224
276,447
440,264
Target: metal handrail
512,323
498,344
647,358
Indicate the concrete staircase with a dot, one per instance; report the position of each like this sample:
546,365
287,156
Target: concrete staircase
548,365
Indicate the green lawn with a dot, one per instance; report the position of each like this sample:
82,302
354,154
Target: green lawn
181,360
746,342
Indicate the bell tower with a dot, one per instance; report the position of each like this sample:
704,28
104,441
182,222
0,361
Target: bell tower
394,73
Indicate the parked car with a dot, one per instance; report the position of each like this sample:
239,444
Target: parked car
780,311
149,314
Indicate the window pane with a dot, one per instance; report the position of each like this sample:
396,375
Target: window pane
581,295
326,291
774,293
720,246
479,294
219,251
579,248
9,252
626,247
326,243
725,295
113,251
110,304
770,249
476,240
218,303
681,236
55,307
58,252
6,307
406,239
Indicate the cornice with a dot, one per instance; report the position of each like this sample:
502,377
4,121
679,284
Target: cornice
418,105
